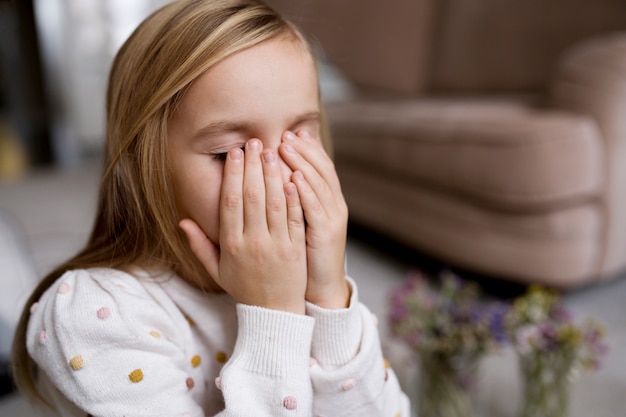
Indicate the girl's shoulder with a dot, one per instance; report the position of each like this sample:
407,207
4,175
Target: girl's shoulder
110,300
95,332
93,283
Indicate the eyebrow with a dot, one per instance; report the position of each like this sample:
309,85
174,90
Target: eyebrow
226,126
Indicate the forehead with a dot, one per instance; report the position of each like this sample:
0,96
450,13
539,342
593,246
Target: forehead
275,75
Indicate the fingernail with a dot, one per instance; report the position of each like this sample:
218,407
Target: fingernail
289,148
236,154
298,176
254,144
290,188
290,136
268,156
303,134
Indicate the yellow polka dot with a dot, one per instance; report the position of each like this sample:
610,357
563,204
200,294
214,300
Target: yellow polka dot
398,414
195,361
221,357
77,363
136,375
387,364
190,321
155,334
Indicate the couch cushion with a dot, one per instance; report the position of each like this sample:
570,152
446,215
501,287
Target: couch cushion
556,248
500,154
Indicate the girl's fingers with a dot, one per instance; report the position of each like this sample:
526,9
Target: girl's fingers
295,215
231,204
254,213
311,151
202,247
312,207
274,194
314,178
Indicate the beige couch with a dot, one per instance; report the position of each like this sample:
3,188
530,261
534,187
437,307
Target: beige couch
488,134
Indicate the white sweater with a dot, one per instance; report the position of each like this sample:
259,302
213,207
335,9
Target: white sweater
114,344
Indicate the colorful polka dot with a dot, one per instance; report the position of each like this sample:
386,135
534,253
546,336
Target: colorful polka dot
195,361
290,403
190,321
33,307
42,336
77,363
386,375
136,375
218,383
387,364
104,313
375,318
155,334
398,414
64,288
348,384
190,383
312,362
221,357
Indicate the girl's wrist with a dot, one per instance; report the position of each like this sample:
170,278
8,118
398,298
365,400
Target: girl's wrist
332,297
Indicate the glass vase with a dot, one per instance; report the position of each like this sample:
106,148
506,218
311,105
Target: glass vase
546,383
445,385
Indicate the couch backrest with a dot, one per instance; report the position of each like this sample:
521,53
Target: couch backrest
380,44
513,44
413,46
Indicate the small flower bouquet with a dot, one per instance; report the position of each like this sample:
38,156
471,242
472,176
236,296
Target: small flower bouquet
552,350
450,328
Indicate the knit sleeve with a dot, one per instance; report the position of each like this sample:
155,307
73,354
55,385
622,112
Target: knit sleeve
351,378
268,374
110,349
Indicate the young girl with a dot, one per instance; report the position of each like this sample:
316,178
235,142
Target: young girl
213,282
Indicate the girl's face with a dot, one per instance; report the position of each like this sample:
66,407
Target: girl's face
259,92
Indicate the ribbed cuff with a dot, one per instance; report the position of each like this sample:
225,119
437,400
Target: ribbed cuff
337,333
270,342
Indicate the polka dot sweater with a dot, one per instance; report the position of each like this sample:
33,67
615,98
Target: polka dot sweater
110,343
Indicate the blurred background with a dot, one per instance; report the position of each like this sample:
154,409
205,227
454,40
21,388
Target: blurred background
54,62
488,136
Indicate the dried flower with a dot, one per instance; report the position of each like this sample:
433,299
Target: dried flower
539,324
454,319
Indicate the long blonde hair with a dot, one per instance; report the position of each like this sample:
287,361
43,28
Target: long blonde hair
136,218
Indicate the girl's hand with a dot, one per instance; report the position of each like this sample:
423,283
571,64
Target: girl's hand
326,215
261,258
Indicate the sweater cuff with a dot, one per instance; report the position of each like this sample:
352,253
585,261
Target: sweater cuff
272,342
337,333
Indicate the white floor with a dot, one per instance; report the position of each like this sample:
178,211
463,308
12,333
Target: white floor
52,212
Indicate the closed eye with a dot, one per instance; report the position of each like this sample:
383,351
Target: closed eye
222,155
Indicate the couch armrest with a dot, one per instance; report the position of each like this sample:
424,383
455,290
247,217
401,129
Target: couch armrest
591,79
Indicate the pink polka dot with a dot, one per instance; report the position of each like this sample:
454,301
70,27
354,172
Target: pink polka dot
104,313
386,375
348,385
290,403
64,288
312,361
34,307
42,336
190,383
218,383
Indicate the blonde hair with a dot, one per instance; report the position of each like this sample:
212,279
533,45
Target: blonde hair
136,218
